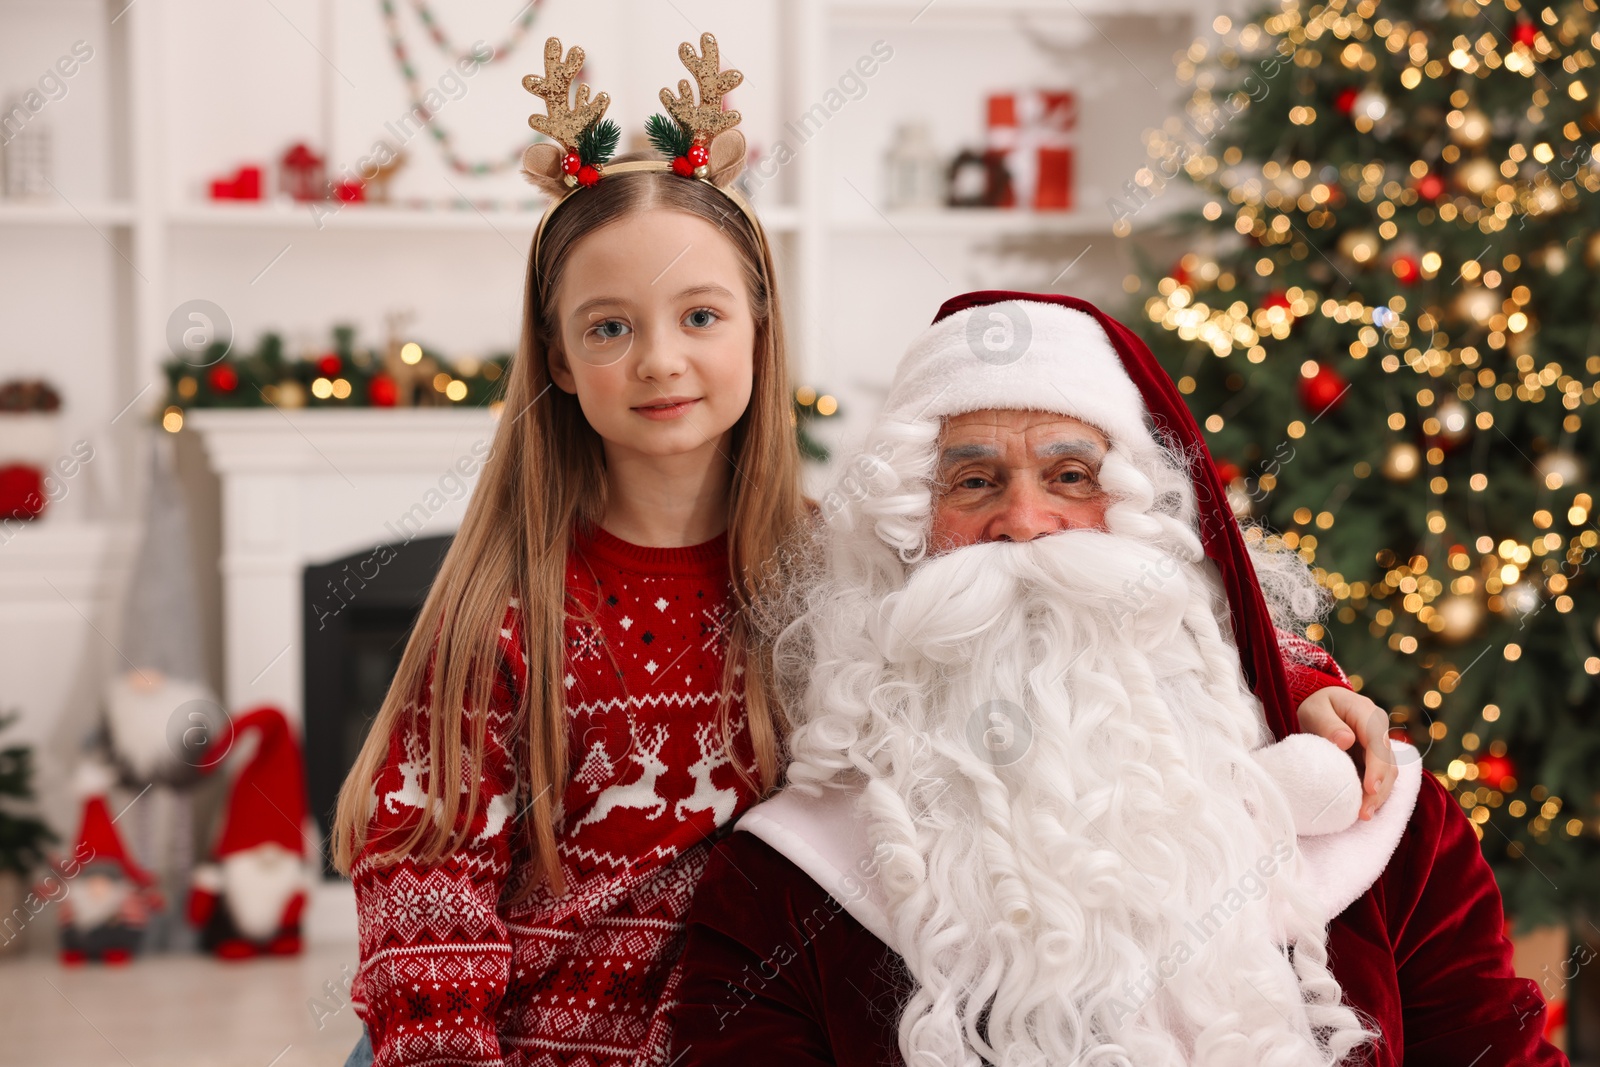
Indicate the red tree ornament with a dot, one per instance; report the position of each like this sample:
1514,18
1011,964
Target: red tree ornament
1276,299
1407,268
1525,33
1346,100
1322,391
1430,186
1494,770
222,378
1227,471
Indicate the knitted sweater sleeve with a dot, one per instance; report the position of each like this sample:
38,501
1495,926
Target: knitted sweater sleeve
435,952
1309,666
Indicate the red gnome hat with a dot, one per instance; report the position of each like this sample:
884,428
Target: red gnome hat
1016,374
98,840
268,800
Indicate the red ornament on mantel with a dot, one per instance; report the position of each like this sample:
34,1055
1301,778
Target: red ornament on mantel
329,365
1322,391
383,392
222,378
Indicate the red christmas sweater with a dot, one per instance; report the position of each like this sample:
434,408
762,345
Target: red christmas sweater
453,974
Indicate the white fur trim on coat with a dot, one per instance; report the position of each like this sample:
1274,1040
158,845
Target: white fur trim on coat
828,840
1022,355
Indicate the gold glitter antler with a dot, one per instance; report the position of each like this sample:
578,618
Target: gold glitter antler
706,119
567,119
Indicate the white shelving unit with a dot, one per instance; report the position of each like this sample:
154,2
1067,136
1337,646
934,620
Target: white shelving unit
147,212
180,89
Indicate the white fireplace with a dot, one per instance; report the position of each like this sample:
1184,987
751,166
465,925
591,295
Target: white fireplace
306,487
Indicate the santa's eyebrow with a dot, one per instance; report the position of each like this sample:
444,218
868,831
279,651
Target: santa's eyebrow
1085,449
958,453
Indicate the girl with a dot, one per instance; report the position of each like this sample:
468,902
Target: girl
582,704
585,702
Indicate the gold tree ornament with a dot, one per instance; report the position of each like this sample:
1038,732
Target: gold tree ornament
706,119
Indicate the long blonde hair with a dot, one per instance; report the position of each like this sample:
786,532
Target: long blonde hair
545,472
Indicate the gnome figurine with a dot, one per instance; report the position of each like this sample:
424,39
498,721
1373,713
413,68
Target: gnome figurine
103,917
247,901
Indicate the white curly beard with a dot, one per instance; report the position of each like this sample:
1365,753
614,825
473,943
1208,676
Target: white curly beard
1085,865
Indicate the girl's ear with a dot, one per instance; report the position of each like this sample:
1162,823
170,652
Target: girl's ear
560,369
727,159
541,167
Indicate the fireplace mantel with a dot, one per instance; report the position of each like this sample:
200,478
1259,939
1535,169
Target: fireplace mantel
309,486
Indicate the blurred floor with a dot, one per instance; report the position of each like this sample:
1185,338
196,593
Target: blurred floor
177,1011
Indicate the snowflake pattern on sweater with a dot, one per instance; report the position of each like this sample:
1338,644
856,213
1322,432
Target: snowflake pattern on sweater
450,973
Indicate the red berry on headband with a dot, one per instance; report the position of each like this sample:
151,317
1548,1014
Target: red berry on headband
588,175
698,155
571,163
682,166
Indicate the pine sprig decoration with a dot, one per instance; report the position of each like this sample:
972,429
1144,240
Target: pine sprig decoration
668,136
598,143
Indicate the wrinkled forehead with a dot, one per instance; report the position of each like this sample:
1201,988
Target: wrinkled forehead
1018,434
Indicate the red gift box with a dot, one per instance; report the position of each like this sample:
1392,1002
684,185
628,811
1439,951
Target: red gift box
1034,131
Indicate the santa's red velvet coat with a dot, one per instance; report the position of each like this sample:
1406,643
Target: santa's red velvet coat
777,972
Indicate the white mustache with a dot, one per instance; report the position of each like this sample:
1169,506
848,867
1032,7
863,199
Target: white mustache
960,595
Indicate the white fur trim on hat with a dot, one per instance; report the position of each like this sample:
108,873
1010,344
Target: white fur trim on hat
1023,355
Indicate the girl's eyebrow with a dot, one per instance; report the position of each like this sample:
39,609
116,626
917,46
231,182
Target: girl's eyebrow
708,289
599,301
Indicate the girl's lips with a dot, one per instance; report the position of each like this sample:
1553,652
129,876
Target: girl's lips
665,411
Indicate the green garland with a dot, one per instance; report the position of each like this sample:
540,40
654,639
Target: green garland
343,377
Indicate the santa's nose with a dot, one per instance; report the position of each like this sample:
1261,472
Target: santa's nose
1026,512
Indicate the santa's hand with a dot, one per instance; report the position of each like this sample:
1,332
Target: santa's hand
1347,718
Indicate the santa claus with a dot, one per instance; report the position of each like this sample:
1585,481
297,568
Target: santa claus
248,900
1035,814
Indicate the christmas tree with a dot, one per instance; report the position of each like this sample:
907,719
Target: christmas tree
1387,326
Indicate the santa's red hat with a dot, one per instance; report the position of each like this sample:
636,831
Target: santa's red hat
1044,352
268,800
98,840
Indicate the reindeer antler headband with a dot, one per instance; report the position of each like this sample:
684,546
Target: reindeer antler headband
699,140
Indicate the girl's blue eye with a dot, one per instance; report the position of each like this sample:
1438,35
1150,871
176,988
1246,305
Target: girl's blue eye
610,329
700,318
